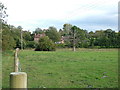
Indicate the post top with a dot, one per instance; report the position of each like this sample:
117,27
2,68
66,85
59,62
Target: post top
17,73
17,49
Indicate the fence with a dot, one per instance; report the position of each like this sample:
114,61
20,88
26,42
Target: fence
17,79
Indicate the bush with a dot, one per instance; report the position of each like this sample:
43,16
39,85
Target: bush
30,44
45,44
61,45
68,44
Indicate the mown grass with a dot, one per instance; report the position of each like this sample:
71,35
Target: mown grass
85,68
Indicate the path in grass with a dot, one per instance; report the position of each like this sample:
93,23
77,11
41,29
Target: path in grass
85,68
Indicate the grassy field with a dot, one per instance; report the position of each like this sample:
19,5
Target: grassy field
85,68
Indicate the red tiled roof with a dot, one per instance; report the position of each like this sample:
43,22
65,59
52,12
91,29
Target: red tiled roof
39,35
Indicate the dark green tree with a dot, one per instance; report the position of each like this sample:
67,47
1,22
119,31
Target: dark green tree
38,31
61,32
73,36
45,44
27,35
8,41
53,34
3,22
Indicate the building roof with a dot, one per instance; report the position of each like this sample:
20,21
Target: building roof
39,35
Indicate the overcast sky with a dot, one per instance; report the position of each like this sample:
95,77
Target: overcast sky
86,14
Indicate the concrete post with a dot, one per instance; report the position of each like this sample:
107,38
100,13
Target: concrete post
18,80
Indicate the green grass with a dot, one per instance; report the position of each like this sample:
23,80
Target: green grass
85,68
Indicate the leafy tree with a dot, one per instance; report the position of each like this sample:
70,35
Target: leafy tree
73,33
16,31
61,32
32,37
78,37
38,31
8,41
82,38
27,35
19,28
118,39
66,29
3,13
31,44
45,44
95,39
53,34
21,37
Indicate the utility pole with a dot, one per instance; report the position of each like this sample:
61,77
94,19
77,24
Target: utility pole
21,40
73,40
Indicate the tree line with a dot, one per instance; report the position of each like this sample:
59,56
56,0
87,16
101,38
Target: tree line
73,37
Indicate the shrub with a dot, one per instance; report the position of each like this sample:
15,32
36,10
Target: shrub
30,44
61,45
45,44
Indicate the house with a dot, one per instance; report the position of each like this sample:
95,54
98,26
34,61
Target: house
63,39
38,36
